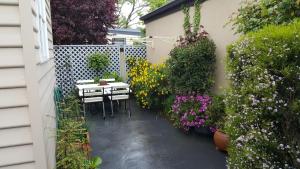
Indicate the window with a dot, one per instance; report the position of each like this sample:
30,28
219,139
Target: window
42,30
119,41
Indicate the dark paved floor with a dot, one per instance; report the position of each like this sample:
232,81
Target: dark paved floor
147,141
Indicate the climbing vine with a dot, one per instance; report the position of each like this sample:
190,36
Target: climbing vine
197,16
186,23
195,34
187,26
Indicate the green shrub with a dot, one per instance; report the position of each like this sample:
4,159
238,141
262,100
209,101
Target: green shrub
167,105
71,136
98,61
263,105
70,107
149,82
254,15
115,75
191,67
216,113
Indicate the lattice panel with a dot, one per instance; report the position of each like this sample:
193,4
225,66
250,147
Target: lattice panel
63,68
135,51
71,63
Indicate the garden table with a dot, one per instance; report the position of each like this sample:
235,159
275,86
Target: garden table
107,87
114,91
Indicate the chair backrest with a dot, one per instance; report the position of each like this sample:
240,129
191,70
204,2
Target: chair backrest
93,92
120,90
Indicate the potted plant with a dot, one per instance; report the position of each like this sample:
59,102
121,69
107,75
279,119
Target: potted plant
103,82
98,61
216,121
115,75
96,79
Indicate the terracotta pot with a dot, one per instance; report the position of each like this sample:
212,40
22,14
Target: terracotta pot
102,83
221,140
87,149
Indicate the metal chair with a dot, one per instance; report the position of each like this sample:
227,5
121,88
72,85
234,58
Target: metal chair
82,82
119,93
93,95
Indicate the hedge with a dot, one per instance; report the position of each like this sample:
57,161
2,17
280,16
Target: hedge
263,104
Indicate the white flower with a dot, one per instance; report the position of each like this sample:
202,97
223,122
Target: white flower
265,165
241,138
298,160
273,83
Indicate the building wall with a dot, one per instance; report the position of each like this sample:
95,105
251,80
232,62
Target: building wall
130,39
46,84
26,91
214,15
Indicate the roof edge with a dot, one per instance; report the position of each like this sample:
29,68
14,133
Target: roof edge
166,9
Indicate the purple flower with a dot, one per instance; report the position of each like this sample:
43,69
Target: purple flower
212,129
188,109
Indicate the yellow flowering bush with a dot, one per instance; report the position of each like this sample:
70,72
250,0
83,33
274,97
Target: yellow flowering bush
148,81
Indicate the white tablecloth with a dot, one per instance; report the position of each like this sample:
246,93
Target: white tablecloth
92,81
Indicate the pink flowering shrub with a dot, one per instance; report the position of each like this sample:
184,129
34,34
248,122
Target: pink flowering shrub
190,111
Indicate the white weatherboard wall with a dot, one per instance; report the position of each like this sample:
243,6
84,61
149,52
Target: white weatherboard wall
27,114
214,15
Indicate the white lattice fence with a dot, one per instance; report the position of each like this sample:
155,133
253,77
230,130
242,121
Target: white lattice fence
135,51
71,63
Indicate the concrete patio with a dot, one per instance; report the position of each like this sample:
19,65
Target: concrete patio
147,141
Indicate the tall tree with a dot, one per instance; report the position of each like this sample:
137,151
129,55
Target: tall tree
135,9
154,4
82,22
129,11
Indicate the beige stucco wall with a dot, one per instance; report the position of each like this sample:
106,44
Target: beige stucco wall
214,15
